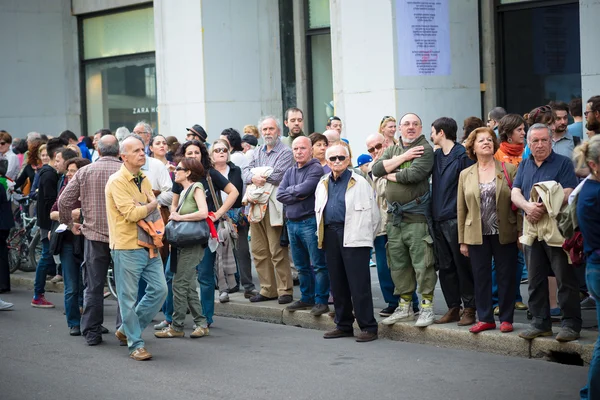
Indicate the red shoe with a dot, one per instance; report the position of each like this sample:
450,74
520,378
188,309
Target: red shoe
482,326
41,302
506,327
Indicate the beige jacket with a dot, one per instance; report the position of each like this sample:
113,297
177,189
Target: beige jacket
380,186
552,195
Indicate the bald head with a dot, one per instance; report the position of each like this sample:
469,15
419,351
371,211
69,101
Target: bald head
410,128
376,144
302,149
108,146
333,137
374,139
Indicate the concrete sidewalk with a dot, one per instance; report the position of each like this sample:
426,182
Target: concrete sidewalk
447,335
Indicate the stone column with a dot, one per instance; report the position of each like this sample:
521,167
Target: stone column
589,14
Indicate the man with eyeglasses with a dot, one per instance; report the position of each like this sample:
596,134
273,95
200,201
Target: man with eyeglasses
456,276
144,130
407,167
376,145
347,220
545,165
494,118
196,132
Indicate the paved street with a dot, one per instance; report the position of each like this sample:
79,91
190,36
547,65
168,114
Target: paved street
241,358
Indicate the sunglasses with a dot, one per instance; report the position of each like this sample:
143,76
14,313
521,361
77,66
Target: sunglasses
181,169
384,118
375,148
221,150
3,143
334,158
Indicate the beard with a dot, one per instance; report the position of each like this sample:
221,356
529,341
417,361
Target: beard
592,125
408,141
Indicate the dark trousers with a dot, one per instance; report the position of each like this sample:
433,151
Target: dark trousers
97,260
242,256
4,270
350,279
455,273
505,256
541,260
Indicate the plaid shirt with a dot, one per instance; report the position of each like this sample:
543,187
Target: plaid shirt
280,158
89,184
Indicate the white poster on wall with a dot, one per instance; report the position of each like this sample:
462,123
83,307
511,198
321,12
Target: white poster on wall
423,30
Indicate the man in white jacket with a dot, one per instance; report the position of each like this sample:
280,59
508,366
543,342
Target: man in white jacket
347,221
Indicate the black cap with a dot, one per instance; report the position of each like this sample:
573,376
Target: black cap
198,131
250,139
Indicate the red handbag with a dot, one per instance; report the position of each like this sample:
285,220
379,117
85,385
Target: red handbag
512,205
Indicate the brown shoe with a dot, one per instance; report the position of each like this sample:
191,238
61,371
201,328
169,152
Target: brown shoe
366,336
140,354
336,333
199,332
169,332
468,317
452,315
121,337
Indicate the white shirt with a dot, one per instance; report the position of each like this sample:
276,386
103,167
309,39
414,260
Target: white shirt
249,155
13,164
159,177
95,154
240,159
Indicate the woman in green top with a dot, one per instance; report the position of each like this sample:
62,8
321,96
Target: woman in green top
192,207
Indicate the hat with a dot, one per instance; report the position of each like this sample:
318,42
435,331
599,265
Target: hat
250,139
198,131
363,159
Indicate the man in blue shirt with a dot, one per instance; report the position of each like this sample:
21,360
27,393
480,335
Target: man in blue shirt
576,128
545,165
71,139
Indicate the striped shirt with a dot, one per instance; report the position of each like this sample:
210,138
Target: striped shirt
280,158
88,184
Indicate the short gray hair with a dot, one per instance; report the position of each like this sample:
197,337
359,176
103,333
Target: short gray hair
33,136
266,117
537,127
497,113
122,143
147,127
330,149
121,133
108,146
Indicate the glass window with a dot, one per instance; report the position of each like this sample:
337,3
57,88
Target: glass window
120,93
541,56
513,1
119,34
322,80
318,14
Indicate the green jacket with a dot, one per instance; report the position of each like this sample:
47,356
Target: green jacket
412,177
287,140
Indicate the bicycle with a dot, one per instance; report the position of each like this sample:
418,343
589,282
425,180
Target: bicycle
110,279
24,244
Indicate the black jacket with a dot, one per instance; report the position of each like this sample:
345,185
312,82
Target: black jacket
6,216
444,182
235,177
47,193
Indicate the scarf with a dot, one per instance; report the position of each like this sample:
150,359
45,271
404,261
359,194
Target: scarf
512,150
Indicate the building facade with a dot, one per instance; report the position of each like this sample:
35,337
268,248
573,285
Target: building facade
89,64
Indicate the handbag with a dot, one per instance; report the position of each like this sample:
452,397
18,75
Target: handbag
187,233
225,217
512,205
56,239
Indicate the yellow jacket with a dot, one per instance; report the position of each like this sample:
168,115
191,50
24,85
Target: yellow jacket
123,199
546,229
469,206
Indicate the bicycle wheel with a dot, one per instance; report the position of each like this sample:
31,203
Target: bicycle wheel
14,250
34,251
110,280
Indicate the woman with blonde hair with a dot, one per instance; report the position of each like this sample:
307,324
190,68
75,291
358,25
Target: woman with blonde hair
387,128
487,228
588,218
251,130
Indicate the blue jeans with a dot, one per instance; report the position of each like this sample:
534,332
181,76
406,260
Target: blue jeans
168,305
383,273
206,279
130,267
520,267
45,264
592,390
314,288
71,268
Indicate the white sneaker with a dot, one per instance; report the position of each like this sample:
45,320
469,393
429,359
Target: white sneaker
224,297
5,305
403,312
427,315
161,326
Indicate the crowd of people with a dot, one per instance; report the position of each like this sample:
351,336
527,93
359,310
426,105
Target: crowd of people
482,214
